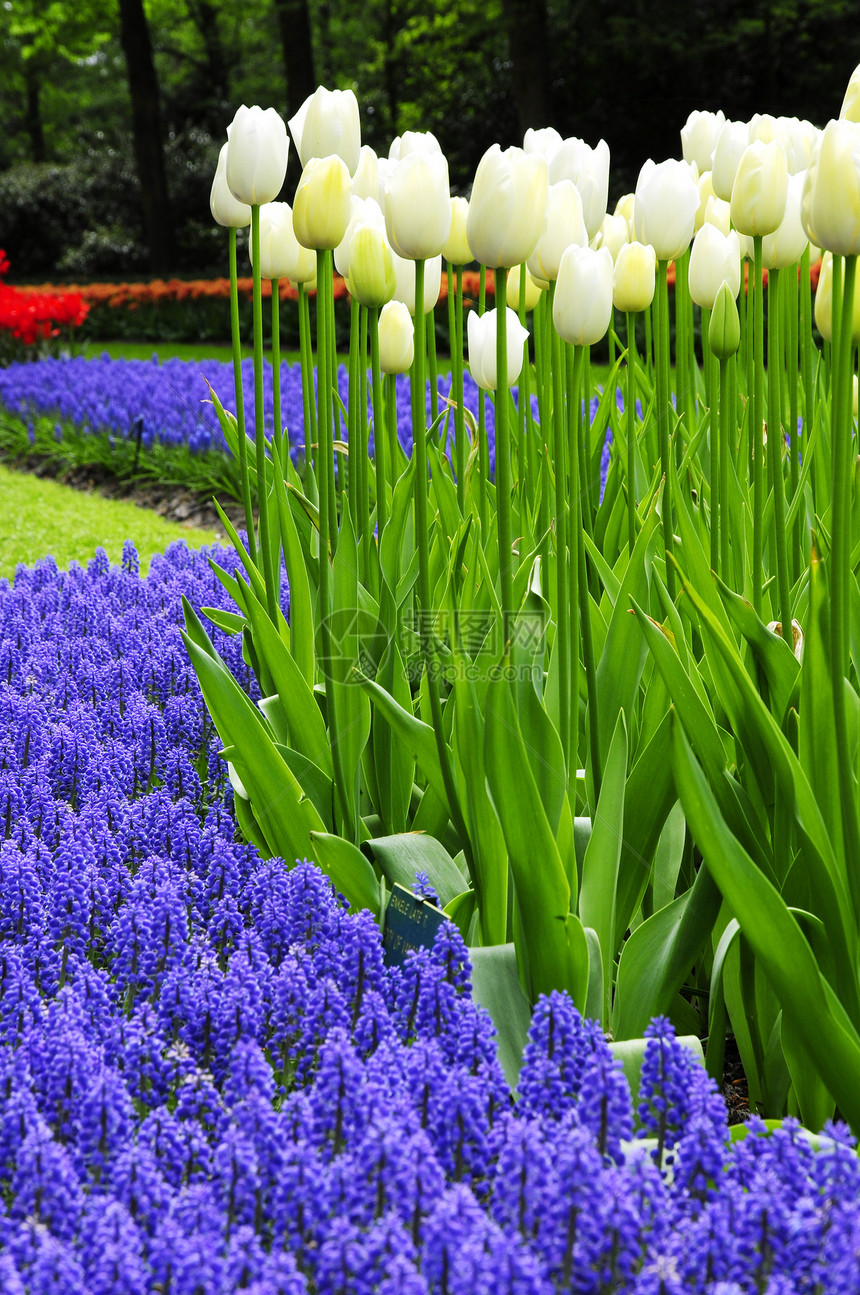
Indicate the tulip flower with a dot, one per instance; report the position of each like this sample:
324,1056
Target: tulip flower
625,207
588,168
418,205
321,208
326,125
396,338
786,245
613,233
281,254
830,205
664,214
362,211
633,278
545,142
507,207
731,142
705,185
824,303
760,189
533,290
799,139
699,136
404,291
564,225
582,307
482,347
226,210
457,250
372,279
850,110
257,148
714,260
724,330
719,213
365,181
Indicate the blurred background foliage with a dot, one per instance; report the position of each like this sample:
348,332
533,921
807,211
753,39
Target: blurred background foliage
114,110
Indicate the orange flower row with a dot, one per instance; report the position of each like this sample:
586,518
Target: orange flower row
158,291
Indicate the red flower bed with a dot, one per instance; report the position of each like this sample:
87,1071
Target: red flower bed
31,318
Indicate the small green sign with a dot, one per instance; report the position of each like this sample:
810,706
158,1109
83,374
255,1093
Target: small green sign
410,923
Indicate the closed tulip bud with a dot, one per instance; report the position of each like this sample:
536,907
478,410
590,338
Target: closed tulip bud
850,110
614,233
507,207
724,330
281,254
830,205
786,245
588,168
365,182
760,189
418,205
546,142
226,210
626,206
799,138
481,331
533,290
582,307
321,208
327,125
714,260
731,143
705,186
396,338
372,279
404,272
824,303
457,250
699,137
633,278
564,225
718,213
413,141
765,127
664,214
362,211
257,148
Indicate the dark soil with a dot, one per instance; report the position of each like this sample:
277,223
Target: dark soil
734,1088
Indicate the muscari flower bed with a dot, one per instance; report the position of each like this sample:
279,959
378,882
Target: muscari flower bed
211,1081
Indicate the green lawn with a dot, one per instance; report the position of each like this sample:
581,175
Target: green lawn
42,517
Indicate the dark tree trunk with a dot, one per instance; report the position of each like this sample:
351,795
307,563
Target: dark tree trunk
205,18
294,24
34,113
528,43
146,127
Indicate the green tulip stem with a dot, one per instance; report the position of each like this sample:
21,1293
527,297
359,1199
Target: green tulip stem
842,460
566,609
432,366
422,534
806,344
390,391
664,410
579,588
483,444
244,475
325,452
789,315
309,407
713,439
455,323
543,331
379,447
524,403
719,515
503,460
363,463
278,434
353,468
757,424
649,345
259,426
684,367
630,419
775,441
